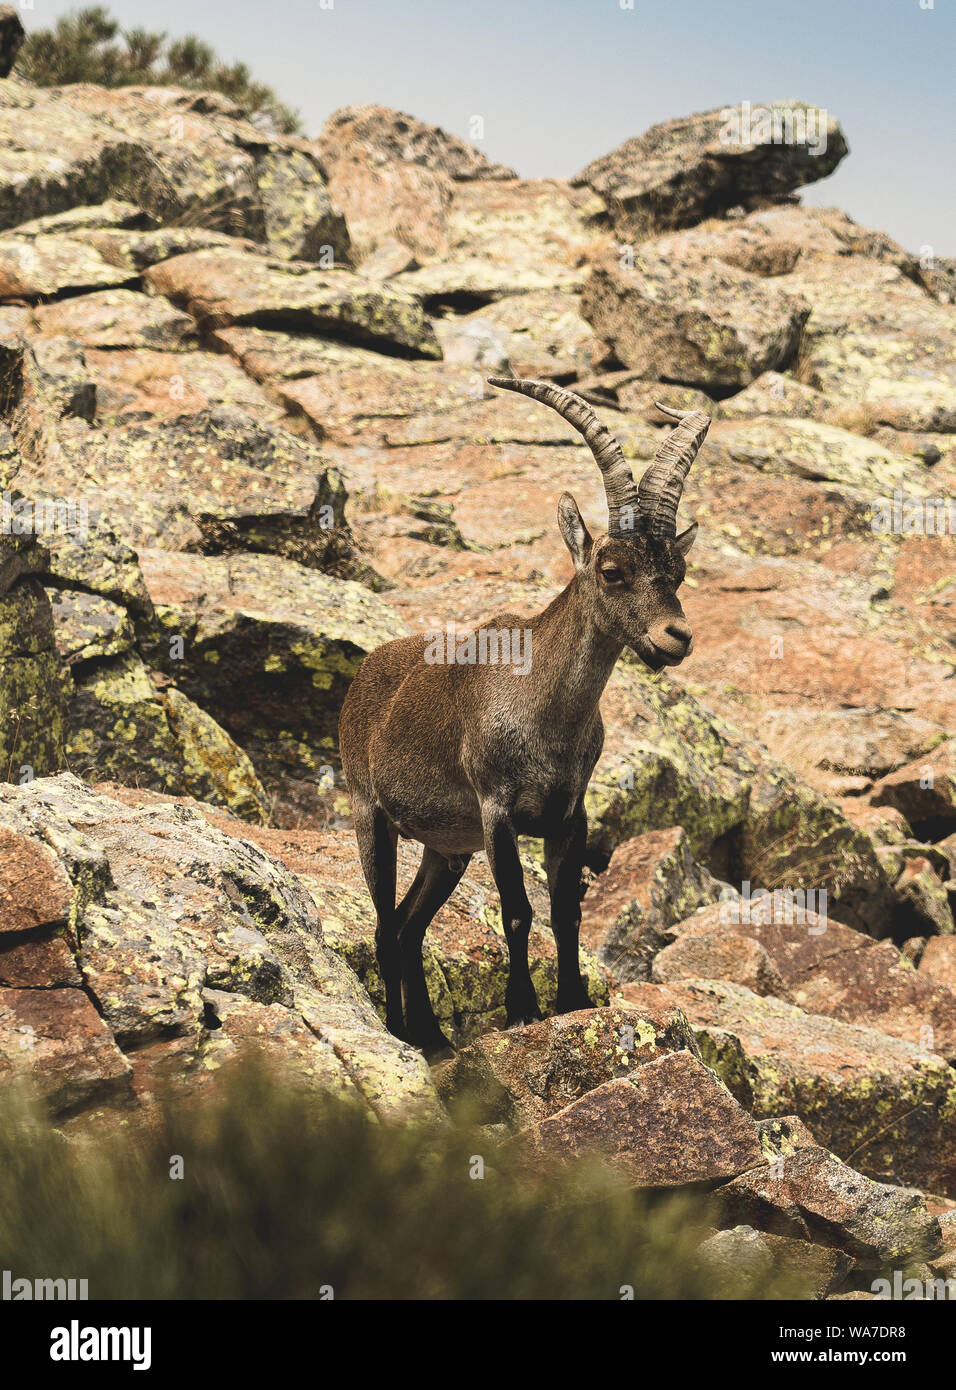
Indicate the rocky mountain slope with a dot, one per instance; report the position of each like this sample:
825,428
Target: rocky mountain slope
245,438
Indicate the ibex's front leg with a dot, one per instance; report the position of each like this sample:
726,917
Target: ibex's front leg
564,860
501,846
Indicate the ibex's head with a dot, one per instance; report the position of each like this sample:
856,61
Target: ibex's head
630,577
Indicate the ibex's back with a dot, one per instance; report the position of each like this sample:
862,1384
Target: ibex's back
462,752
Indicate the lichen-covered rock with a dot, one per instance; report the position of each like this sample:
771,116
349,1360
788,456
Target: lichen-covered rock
540,334
778,239
381,135
938,960
124,729
50,265
268,648
268,354
522,1076
776,393
878,379
823,453
668,760
112,319
885,1105
473,280
55,1040
863,743
19,555
87,220
33,688
219,288
300,218
87,626
387,204
708,325
795,838
39,960
507,238
98,562
174,154
682,171
135,246
374,401
780,1136
876,342
34,889
48,382
810,1195
669,1124
737,1261
214,767
217,479
939,278
472,416
817,630
923,898
134,384
191,945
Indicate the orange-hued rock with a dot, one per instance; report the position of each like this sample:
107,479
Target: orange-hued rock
821,965
651,882
670,1124
55,1040
34,889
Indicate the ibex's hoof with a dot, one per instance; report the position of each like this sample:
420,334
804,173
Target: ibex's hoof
436,1049
571,1006
431,1041
521,1015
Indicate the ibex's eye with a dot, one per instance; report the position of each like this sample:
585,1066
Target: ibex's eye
612,575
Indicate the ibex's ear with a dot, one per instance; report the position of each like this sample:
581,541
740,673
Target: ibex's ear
576,535
686,538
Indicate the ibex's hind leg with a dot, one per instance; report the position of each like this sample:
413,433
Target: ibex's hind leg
564,860
437,879
501,846
377,842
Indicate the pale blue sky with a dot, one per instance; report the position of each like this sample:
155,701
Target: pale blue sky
561,81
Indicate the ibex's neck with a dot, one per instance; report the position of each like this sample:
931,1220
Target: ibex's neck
571,658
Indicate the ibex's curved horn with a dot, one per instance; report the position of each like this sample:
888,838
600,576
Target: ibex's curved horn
618,482
661,486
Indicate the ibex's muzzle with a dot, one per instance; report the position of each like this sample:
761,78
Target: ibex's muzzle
672,638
